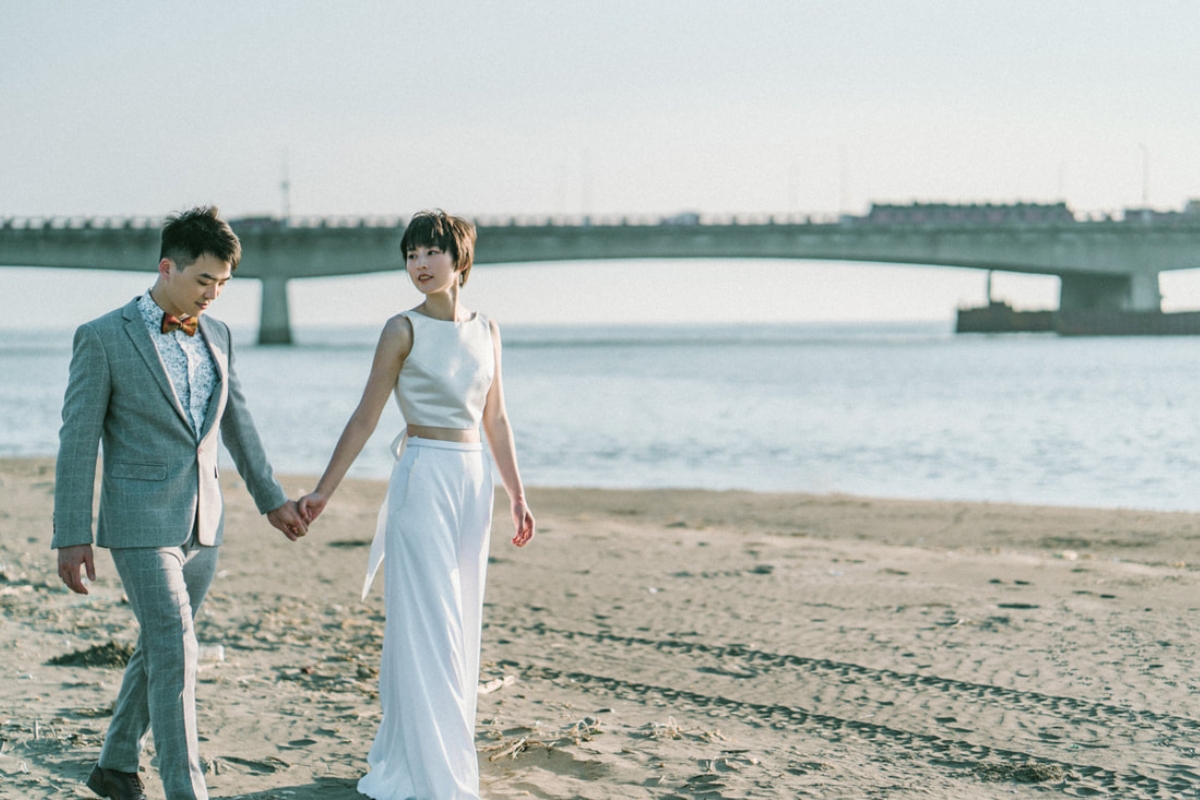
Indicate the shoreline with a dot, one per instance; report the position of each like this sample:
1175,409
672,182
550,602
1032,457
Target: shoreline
663,642
928,427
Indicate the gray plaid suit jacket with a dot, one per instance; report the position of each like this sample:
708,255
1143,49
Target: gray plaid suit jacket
159,480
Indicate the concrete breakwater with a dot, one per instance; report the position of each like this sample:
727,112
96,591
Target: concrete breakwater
998,317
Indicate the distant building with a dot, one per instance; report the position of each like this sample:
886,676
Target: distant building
1190,215
259,223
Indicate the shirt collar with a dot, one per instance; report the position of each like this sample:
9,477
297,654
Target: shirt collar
151,313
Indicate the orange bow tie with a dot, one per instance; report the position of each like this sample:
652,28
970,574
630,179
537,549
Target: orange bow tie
187,325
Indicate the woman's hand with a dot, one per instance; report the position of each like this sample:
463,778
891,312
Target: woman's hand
523,519
311,506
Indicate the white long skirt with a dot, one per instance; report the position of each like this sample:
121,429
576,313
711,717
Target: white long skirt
438,517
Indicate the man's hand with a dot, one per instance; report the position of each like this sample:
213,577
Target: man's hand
287,519
70,559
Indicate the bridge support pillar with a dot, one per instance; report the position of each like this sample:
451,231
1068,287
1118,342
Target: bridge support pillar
274,327
1144,293
1134,292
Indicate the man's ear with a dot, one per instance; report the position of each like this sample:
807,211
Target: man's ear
164,268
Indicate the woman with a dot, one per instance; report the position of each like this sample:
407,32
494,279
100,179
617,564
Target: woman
443,364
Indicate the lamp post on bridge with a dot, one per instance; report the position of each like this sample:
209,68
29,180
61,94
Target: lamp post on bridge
1145,177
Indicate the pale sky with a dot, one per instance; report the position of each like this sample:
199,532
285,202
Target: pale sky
605,107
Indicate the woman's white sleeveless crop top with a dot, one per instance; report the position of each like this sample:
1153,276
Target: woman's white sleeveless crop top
445,378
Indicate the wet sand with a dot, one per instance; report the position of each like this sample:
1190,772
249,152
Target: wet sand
666,644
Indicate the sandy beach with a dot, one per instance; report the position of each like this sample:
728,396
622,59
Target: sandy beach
665,644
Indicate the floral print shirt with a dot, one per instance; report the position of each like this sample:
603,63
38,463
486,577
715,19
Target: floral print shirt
187,361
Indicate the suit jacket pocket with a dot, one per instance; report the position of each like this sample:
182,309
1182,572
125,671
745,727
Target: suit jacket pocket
139,472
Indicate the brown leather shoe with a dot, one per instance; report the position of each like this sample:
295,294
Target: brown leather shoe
116,785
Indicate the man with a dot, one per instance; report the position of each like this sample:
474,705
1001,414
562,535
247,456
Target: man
154,384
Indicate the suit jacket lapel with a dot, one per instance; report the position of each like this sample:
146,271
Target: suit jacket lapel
135,326
220,356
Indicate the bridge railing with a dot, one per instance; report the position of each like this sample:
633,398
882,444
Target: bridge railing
1125,217
79,223
650,220
395,221
371,221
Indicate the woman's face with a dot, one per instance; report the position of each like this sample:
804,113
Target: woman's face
431,269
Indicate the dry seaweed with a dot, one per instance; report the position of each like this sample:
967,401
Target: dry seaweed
110,654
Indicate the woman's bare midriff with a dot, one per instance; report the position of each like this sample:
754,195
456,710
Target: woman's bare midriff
444,434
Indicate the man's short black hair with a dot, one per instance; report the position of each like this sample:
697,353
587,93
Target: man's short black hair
199,231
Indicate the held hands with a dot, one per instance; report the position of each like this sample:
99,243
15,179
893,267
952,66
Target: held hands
70,559
287,518
311,506
523,519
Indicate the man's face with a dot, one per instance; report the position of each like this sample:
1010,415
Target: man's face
190,290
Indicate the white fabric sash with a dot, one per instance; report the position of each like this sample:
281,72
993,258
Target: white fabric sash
399,444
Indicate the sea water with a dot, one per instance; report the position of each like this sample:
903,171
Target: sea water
888,410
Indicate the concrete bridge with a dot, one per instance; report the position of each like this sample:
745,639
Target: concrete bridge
1106,265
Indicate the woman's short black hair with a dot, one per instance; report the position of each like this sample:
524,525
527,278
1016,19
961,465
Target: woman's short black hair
451,234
